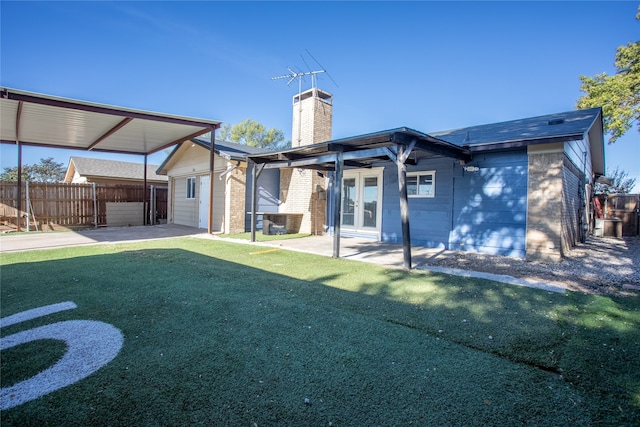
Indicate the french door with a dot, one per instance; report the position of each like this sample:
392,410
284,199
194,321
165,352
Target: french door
361,201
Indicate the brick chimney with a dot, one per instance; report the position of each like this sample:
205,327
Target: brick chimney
304,190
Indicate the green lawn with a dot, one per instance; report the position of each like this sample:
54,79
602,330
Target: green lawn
219,333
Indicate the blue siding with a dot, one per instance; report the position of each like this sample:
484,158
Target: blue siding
490,206
483,211
268,194
429,218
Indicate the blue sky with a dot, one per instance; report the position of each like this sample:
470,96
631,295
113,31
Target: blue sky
431,66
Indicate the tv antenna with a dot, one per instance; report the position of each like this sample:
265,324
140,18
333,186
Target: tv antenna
300,75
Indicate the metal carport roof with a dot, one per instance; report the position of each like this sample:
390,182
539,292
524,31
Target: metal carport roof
28,118
43,120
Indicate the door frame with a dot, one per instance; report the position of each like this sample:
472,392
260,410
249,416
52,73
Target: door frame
203,201
358,228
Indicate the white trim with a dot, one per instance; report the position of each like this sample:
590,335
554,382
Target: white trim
419,174
360,175
190,187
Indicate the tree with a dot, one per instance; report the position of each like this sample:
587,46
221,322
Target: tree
45,171
620,184
250,132
618,95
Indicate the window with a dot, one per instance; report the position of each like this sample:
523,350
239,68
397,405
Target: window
421,184
191,187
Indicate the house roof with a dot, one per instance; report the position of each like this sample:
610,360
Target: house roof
230,150
224,149
48,121
559,127
110,169
458,143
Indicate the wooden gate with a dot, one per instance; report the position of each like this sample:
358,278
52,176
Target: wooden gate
625,207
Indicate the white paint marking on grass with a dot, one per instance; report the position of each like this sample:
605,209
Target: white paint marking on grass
90,346
23,316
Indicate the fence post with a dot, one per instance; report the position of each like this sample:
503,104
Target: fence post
28,203
152,205
95,206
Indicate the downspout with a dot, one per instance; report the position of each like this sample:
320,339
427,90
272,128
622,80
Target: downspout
228,170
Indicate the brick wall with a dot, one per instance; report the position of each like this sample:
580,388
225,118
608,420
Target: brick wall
235,200
544,206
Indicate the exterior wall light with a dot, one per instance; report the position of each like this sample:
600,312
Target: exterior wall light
471,168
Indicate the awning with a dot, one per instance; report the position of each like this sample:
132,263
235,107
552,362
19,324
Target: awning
401,146
48,121
362,150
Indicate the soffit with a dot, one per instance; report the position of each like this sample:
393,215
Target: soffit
43,120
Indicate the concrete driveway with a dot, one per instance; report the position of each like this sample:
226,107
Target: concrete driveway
30,241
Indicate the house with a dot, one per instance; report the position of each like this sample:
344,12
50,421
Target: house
83,170
187,169
521,188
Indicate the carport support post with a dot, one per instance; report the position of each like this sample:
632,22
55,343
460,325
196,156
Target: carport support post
19,197
211,165
144,193
404,206
337,196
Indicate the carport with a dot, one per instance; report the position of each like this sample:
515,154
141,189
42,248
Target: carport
401,146
34,119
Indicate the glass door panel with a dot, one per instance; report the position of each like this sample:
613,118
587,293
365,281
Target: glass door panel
348,201
369,213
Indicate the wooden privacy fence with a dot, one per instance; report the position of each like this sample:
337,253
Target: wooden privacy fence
622,207
75,205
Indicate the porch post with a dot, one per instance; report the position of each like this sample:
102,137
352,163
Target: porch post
211,186
404,206
337,196
257,170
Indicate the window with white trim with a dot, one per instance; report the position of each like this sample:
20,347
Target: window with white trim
191,187
421,184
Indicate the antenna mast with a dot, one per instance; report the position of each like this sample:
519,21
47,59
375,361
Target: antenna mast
292,76
300,76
